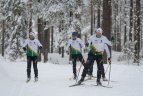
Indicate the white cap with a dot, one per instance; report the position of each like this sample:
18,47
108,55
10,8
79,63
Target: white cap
32,33
99,30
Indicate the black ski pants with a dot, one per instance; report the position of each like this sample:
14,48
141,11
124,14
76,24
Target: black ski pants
76,57
30,60
90,61
90,71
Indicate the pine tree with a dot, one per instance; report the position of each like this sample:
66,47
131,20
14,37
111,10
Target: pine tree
14,13
107,21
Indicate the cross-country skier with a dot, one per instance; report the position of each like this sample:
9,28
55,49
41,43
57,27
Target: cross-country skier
31,46
90,70
97,46
74,48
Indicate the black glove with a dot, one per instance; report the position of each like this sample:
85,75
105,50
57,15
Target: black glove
109,60
67,52
86,44
40,47
24,48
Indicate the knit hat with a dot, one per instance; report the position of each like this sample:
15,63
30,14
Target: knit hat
74,34
99,30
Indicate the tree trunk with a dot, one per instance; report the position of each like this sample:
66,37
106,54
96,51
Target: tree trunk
60,49
137,32
48,41
98,14
40,32
30,13
125,34
62,52
3,37
91,17
52,38
131,20
106,23
115,10
46,45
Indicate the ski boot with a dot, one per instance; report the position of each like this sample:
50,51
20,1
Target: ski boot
90,76
80,81
36,79
28,79
98,83
105,79
75,77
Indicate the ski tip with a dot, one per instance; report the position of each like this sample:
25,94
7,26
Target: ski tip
104,86
75,85
36,81
108,86
27,81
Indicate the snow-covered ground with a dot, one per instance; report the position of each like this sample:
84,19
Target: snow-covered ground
54,80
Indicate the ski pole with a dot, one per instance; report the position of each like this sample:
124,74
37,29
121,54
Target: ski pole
110,69
109,73
110,66
107,69
78,73
83,62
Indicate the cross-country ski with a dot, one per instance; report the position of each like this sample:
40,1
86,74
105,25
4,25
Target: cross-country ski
75,85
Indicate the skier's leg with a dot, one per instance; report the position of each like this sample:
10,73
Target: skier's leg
87,67
74,58
103,72
99,68
81,59
35,59
29,67
90,70
90,59
85,70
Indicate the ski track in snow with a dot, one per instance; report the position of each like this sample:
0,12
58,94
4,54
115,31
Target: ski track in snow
54,81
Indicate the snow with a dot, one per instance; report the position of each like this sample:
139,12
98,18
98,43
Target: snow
24,1
86,30
55,8
86,2
54,79
78,11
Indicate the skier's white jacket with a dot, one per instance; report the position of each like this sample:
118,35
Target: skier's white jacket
99,44
75,46
32,47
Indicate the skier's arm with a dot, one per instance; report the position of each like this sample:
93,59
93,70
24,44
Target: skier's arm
39,44
107,51
107,41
